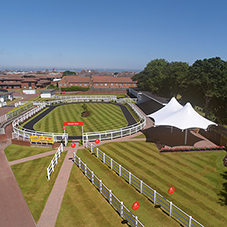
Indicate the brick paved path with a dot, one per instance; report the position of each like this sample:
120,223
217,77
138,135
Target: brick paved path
53,205
14,210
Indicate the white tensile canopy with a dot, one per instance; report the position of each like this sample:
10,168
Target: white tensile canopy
180,117
169,109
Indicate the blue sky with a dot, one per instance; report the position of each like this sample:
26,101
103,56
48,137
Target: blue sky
120,34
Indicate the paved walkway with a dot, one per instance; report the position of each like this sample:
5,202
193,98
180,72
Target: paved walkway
53,205
14,210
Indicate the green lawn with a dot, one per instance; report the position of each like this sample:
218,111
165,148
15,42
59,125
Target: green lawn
84,206
147,213
199,178
31,177
103,117
14,152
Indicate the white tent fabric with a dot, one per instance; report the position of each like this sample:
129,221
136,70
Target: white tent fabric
184,118
172,107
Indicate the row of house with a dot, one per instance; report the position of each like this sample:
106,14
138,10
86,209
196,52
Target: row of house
33,81
97,82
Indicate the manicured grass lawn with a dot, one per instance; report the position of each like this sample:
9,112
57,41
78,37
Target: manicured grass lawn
199,178
147,213
14,152
84,206
103,117
32,180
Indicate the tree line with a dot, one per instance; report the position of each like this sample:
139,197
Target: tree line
203,84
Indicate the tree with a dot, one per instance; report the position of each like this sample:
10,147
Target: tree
66,73
174,75
150,78
206,83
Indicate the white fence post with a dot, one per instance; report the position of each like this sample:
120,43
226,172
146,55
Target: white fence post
85,169
79,163
136,221
129,177
100,186
154,197
92,177
110,196
111,163
119,170
97,153
91,148
170,208
122,207
48,174
141,186
190,221
104,157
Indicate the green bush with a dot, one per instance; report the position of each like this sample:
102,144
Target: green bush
74,88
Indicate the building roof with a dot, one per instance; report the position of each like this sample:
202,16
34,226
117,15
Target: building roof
76,79
110,79
29,80
5,93
47,90
10,83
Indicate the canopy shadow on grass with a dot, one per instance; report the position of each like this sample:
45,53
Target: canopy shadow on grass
164,135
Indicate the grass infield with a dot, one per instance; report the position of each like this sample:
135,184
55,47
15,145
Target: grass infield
199,178
102,117
32,180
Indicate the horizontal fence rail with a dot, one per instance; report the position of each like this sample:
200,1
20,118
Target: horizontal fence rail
144,189
116,133
19,110
54,161
107,193
19,131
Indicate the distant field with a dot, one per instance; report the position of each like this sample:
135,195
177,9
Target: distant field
103,117
199,178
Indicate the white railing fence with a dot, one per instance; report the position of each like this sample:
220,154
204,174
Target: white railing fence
19,110
116,133
68,99
107,193
3,104
144,189
19,131
54,161
3,118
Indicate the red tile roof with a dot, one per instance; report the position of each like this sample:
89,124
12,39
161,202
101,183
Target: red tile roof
110,79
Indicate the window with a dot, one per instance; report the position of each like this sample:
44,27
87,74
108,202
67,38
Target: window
116,84
134,84
80,84
65,84
60,84
111,84
24,86
85,84
105,84
125,84
121,84
76,84
71,84
101,84
97,84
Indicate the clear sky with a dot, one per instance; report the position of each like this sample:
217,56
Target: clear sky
120,34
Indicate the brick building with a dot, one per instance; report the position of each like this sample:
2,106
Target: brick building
77,81
112,82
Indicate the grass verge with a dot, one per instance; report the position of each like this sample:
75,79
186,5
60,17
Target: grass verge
32,179
199,178
15,152
147,213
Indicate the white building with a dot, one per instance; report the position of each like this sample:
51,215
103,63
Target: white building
47,93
